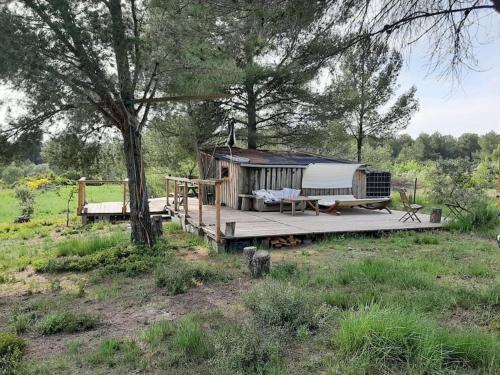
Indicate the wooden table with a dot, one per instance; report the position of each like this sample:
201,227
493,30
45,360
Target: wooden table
311,202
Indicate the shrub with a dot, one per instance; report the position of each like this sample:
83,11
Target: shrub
275,303
246,349
68,322
11,352
284,271
178,277
37,183
392,337
12,173
26,199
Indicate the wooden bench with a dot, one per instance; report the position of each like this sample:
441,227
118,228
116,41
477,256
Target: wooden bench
245,201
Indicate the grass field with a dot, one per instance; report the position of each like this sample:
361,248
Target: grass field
82,300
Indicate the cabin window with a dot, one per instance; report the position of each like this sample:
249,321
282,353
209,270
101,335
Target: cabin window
224,172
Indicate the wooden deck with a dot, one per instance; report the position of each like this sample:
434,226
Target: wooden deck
259,225
156,205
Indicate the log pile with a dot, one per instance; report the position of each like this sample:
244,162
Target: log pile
279,242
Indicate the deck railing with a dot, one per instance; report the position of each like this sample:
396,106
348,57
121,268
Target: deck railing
82,193
184,184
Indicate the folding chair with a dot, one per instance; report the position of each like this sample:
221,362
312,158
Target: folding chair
410,208
456,210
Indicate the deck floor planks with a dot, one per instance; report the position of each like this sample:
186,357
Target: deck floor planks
251,224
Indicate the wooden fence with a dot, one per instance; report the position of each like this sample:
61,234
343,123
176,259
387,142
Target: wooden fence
82,194
184,184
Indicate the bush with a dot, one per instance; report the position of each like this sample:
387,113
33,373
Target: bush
12,173
391,337
275,303
284,271
11,352
26,199
67,322
178,277
248,350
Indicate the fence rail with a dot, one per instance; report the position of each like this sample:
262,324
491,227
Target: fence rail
184,184
82,194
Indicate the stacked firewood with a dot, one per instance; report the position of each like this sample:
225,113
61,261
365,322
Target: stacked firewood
279,242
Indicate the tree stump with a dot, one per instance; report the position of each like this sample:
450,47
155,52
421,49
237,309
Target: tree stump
436,215
157,225
249,253
261,263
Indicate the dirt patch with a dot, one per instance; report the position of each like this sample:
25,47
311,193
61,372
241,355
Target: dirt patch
128,320
28,282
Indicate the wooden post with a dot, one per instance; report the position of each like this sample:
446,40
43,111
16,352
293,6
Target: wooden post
217,212
81,195
124,206
200,205
176,191
185,201
167,189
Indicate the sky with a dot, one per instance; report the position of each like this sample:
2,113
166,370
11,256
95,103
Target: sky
468,103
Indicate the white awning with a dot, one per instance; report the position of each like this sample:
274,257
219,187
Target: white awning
329,176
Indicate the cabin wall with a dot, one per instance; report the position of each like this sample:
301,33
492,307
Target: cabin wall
276,178
244,180
270,178
211,169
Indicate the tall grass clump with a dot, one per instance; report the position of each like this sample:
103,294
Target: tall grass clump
389,272
190,339
388,337
482,217
278,304
11,352
155,334
245,349
178,277
67,322
87,246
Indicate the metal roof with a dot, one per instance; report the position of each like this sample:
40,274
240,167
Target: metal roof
247,157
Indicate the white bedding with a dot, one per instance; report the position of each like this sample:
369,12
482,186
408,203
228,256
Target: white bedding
273,196
329,200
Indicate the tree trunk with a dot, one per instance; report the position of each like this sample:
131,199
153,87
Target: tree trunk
140,218
251,118
359,147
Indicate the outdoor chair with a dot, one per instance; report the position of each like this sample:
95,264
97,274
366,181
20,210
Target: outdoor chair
456,210
410,208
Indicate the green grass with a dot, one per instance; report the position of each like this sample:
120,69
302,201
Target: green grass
404,303
87,246
390,337
11,352
157,333
66,321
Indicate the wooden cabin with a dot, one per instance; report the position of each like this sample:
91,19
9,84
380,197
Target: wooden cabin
244,171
